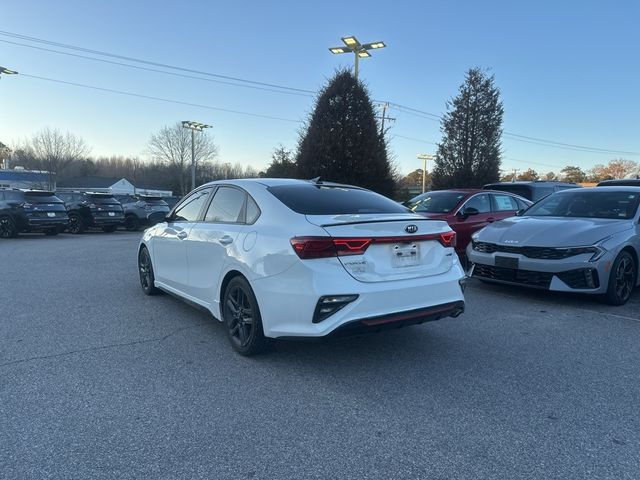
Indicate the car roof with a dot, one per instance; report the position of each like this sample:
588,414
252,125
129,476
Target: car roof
276,182
626,182
613,188
532,182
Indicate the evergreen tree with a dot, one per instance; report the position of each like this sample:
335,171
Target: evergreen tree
282,164
469,153
342,142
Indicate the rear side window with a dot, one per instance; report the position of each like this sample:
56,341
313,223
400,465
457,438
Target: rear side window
65,197
310,199
101,199
227,206
41,198
504,203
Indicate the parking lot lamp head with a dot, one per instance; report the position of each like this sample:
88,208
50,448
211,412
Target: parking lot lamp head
351,44
194,126
6,71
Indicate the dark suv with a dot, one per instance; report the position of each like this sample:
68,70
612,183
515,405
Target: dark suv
142,210
92,210
533,191
31,211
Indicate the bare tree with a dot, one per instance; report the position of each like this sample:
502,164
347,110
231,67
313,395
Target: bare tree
172,145
55,151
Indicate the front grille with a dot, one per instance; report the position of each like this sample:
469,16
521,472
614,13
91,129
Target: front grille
524,277
542,253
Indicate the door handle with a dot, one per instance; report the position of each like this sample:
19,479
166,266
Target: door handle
225,240
182,235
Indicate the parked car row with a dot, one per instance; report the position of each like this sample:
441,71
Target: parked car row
75,212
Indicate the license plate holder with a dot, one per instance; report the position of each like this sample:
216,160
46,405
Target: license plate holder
112,214
405,254
508,262
51,214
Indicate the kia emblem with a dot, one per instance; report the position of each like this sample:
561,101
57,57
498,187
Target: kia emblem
411,228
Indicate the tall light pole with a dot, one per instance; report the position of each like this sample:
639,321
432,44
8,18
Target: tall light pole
424,157
194,126
359,50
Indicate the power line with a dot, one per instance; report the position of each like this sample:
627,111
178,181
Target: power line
160,99
182,75
148,62
413,139
283,89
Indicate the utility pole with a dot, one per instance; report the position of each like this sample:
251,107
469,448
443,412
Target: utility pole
515,172
384,117
424,157
194,126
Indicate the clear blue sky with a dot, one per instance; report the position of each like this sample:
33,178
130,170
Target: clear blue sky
568,71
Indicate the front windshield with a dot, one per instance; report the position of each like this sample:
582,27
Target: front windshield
435,202
587,204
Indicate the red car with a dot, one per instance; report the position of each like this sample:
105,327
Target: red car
467,211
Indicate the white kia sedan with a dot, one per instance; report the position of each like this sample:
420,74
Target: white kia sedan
292,258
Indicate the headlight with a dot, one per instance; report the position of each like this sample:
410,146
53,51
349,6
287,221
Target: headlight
474,235
596,251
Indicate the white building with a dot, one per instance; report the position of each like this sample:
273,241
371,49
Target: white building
113,185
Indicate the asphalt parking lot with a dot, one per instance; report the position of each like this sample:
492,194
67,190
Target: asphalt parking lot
99,381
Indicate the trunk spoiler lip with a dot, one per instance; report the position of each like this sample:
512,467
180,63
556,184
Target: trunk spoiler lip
357,222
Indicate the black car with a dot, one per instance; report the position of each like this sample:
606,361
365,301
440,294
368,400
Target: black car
142,210
534,190
31,211
92,210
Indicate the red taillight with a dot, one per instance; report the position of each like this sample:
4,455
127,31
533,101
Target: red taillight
325,247
448,239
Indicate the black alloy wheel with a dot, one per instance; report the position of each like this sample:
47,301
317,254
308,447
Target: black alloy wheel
145,268
8,228
622,279
241,315
109,228
76,225
131,223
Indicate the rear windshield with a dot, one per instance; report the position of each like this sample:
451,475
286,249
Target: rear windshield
435,202
522,190
329,200
587,204
95,198
154,201
41,197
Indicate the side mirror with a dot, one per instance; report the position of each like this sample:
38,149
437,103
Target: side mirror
468,211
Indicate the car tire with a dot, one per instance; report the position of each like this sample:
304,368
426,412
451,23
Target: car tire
109,228
50,232
145,269
242,319
76,225
131,223
622,279
8,228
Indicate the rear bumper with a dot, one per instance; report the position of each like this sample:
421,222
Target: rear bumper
399,320
106,221
46,223
288,300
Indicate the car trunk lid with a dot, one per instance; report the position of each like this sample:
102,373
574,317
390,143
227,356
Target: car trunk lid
385,247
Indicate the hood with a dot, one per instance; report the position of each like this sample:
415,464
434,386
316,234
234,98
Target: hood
551,231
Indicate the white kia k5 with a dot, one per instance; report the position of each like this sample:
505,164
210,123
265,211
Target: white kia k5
293,258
